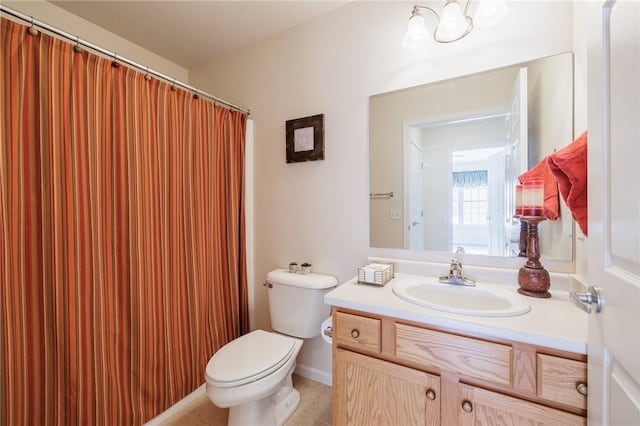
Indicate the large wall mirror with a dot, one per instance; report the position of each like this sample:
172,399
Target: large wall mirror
445,157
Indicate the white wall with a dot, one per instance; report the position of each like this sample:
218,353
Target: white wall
436,193
319,211
59,18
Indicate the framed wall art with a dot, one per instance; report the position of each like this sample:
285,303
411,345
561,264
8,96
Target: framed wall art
305,139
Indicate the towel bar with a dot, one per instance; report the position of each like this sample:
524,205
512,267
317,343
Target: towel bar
381,194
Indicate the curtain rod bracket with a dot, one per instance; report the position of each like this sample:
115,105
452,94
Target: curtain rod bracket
76,47
32,29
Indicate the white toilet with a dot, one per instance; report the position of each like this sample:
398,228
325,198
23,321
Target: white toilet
252,374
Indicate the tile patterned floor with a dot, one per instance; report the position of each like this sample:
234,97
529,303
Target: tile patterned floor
314,408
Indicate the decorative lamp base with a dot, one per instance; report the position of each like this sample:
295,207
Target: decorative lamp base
534,282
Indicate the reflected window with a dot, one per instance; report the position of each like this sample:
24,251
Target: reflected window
469,198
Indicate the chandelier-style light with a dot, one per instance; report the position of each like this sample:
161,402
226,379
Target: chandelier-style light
452,24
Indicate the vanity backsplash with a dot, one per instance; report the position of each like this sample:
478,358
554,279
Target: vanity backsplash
506,276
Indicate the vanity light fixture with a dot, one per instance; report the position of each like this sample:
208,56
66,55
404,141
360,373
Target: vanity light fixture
452,24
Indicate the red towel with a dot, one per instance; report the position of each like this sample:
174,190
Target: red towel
541,171
569,166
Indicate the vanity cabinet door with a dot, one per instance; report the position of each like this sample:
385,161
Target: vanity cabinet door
482,407
369,391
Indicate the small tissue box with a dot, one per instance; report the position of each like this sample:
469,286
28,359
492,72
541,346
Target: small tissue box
375,273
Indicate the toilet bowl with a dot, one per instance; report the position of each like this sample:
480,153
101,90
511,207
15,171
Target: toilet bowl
251,375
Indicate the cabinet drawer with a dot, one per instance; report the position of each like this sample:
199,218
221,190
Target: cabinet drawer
558,380
466,356
354,331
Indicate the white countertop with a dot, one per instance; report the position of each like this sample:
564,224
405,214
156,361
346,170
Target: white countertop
553,323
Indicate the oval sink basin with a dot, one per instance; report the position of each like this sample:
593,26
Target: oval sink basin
462,300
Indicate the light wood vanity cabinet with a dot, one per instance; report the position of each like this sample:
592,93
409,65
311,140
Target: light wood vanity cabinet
393,372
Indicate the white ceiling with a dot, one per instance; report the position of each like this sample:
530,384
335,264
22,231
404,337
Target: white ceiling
191,32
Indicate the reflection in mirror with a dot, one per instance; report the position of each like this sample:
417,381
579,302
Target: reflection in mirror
451,152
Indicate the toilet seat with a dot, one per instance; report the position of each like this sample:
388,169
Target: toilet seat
249,358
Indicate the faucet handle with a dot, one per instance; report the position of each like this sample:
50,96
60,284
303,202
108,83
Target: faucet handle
455,275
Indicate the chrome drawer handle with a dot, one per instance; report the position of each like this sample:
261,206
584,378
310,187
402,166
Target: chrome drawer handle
431,395
355,333
581,387
467,406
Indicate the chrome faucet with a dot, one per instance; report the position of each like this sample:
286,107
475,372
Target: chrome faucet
455,275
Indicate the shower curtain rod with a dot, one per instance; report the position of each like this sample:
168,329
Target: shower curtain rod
116,57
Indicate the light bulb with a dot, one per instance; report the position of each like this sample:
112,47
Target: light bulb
416,33
453,23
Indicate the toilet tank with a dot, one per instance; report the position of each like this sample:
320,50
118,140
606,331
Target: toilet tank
296,302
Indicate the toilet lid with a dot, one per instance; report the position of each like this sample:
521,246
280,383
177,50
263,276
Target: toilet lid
249,358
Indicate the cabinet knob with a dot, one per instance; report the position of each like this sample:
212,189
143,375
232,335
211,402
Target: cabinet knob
355,333
431,395
581,387
467,406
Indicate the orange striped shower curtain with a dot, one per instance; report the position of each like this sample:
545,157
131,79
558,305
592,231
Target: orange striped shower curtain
122,257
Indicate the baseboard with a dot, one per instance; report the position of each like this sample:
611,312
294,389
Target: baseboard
301,370
177,407
314,374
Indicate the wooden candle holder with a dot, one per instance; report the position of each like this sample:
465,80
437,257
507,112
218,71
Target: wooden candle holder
534,280
524,234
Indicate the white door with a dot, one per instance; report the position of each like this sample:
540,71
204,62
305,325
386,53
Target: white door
415,222
518,122
495,200
516,147
614,211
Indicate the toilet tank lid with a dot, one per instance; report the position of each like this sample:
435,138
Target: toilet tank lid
314,281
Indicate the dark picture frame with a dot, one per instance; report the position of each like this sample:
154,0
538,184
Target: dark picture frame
305,139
